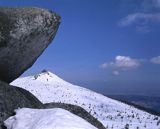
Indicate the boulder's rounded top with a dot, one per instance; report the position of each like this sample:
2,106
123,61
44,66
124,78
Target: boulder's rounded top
25,32
31,10
22,11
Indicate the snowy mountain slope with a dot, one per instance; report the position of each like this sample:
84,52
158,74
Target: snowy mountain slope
48,87
46,119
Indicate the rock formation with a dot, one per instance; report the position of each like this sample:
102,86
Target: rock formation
24,34
12,98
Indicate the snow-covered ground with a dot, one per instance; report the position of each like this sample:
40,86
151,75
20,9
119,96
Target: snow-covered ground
46,119
48,87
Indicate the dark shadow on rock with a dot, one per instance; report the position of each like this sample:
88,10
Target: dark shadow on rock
77,111
12,98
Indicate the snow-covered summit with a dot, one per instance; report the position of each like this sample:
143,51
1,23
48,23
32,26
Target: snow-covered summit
46,77
48,87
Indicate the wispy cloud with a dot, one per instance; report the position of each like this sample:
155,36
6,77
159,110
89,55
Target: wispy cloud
115,73
145,15
143,29
140,19
155,60
156,3
104,65
149,5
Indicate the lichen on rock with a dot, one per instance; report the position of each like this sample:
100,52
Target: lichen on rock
24,35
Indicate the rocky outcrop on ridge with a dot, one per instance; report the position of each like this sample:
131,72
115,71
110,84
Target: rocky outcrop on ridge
24,35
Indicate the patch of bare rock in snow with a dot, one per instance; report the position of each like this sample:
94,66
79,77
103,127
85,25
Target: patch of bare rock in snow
48,88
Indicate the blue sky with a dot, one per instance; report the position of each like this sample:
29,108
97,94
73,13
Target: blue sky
111,46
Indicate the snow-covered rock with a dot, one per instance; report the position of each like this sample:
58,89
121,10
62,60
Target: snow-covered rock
48,87
46,119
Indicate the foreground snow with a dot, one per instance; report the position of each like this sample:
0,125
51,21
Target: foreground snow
46,119
48,87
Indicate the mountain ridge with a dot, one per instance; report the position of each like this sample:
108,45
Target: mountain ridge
48,87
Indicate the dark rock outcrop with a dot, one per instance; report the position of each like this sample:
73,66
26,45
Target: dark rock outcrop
24,34
77,111
12,98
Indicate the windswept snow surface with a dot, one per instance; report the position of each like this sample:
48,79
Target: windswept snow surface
46,119
113,114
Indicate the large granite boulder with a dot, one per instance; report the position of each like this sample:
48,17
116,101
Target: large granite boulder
12,98
24,34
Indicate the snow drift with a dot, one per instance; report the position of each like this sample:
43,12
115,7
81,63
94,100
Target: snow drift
46,119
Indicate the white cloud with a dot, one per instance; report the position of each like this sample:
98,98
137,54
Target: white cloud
126,62
155,60
104,65
139,19
121,63
116,73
